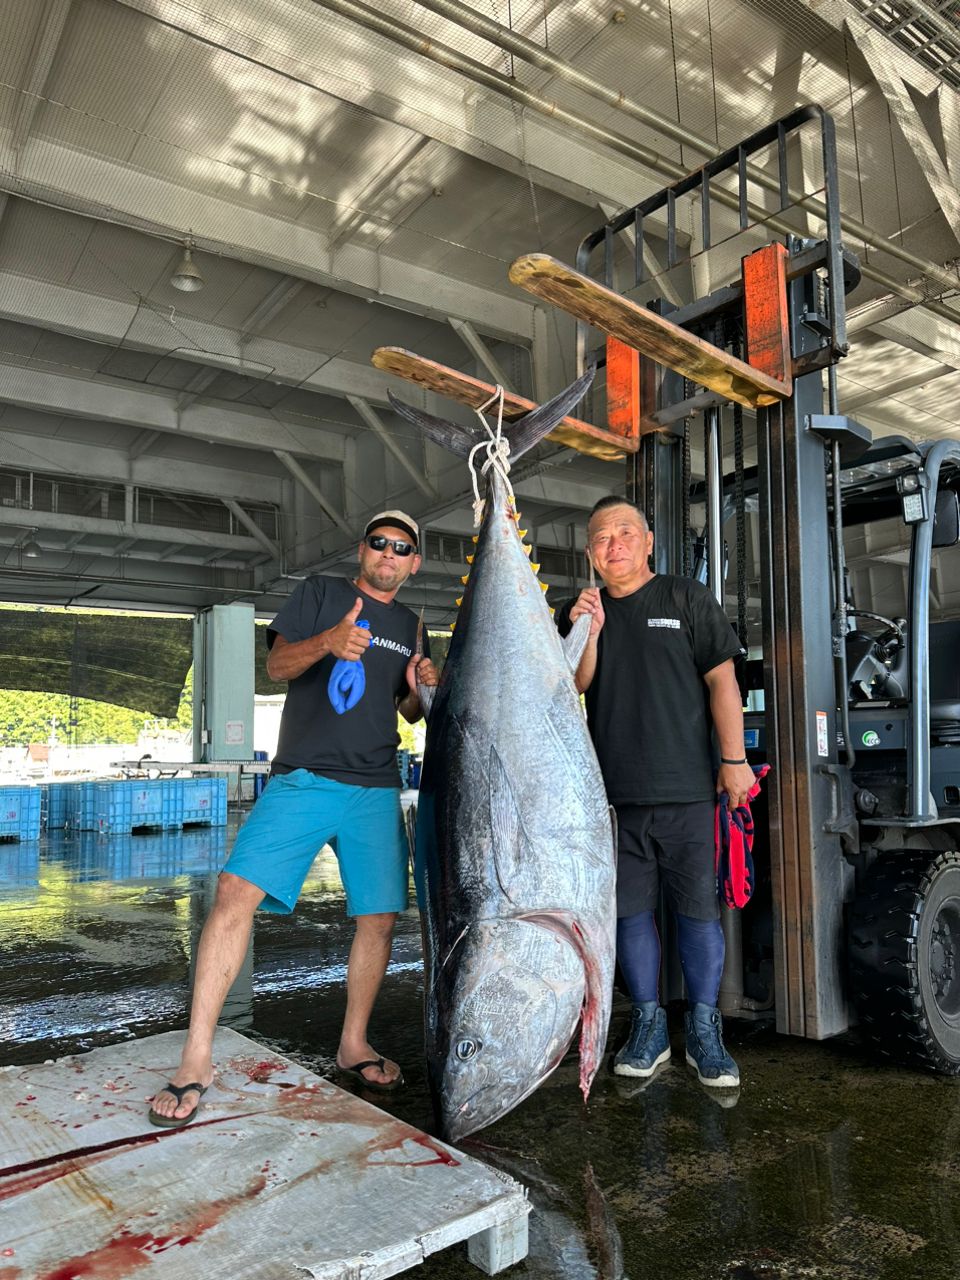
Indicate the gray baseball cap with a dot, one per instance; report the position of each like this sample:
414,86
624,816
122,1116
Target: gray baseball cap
398,520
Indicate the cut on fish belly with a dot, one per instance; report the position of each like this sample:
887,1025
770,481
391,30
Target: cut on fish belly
515,859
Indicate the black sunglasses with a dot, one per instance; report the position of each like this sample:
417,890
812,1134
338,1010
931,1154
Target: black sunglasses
377,542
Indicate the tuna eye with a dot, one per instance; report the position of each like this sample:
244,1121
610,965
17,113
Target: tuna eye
466,1049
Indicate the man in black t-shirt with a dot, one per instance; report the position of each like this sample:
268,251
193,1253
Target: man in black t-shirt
350,654
658,675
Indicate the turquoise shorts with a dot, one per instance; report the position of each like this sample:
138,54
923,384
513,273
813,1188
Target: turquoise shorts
297,814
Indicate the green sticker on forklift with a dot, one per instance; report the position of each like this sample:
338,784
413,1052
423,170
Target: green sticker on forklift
871,738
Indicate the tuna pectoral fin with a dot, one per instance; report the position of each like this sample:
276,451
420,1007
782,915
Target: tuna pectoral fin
595,1015
426,693
575,641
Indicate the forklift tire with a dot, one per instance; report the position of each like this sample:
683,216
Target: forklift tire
904,952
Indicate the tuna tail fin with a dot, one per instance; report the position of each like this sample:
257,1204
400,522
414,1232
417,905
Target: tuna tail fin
449,435
522,434
533,426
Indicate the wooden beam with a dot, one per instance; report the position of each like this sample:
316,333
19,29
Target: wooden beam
651,334
582,436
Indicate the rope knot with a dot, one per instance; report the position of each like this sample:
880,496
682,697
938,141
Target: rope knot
497,450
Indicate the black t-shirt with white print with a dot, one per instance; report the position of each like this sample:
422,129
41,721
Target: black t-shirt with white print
647,707
360,746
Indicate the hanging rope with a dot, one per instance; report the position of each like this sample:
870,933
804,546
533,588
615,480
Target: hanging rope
497,449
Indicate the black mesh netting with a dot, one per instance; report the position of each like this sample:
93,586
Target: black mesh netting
140,663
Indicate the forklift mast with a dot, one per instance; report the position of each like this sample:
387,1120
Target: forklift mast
857,910
786,316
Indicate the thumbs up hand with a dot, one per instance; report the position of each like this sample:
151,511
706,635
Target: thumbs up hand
348,640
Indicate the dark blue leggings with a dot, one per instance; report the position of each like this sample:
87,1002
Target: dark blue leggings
701,956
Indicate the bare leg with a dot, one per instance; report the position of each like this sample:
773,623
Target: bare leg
369,957
223,944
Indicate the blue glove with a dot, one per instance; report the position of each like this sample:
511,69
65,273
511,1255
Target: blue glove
347,681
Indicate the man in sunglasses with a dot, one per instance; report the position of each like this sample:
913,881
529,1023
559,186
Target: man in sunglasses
349,652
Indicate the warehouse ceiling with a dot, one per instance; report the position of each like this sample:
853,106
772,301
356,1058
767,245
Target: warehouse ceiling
353,177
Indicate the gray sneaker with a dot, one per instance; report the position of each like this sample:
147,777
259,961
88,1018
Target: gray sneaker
648,1043
705,1048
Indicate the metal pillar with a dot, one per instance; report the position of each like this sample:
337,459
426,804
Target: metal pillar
223,683
808,868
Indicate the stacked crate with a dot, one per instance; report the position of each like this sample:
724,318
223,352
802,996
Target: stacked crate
203,801
19,813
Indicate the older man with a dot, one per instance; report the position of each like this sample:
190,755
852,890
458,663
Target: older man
658,676
349,652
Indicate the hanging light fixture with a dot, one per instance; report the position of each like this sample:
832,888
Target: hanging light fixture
185,276
31,549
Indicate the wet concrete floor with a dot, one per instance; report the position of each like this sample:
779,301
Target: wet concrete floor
824,1165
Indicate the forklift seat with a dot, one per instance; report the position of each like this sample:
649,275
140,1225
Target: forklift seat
945,683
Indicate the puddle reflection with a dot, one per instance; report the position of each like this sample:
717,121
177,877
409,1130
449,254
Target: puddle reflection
825,1165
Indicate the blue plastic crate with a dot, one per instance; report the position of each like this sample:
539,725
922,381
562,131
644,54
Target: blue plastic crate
203,800
19,813
104,807
123,807
61,802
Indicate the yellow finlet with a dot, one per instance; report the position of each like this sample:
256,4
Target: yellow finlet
469,559
475,538
459,601
534,566
522,532
552,610
453,625
465,579
544,586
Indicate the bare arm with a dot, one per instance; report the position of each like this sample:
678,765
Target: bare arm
726,709
291,658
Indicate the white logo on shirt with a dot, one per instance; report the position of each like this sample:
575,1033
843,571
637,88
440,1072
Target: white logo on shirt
384,643
673,623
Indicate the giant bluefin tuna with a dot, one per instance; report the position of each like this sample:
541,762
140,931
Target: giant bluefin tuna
515,849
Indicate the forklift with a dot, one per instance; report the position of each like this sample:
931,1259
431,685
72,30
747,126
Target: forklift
855,701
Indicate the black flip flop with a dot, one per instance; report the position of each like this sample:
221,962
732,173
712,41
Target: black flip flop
356,1073
178,1091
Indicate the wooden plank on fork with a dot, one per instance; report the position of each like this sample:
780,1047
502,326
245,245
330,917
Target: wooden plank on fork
649,333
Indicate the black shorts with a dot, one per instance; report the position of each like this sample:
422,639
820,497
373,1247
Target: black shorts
668,845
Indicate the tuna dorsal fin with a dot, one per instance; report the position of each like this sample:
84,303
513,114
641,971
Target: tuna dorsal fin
449,435
533,426
506,827
575,641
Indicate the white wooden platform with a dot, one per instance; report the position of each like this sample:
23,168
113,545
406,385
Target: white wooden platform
282,1175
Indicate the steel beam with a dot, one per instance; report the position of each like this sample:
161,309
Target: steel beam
477,347
253,529
136,407
72,459
876,51
381,431
475,122
298,473
61,309
120,528
44,49
65,178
